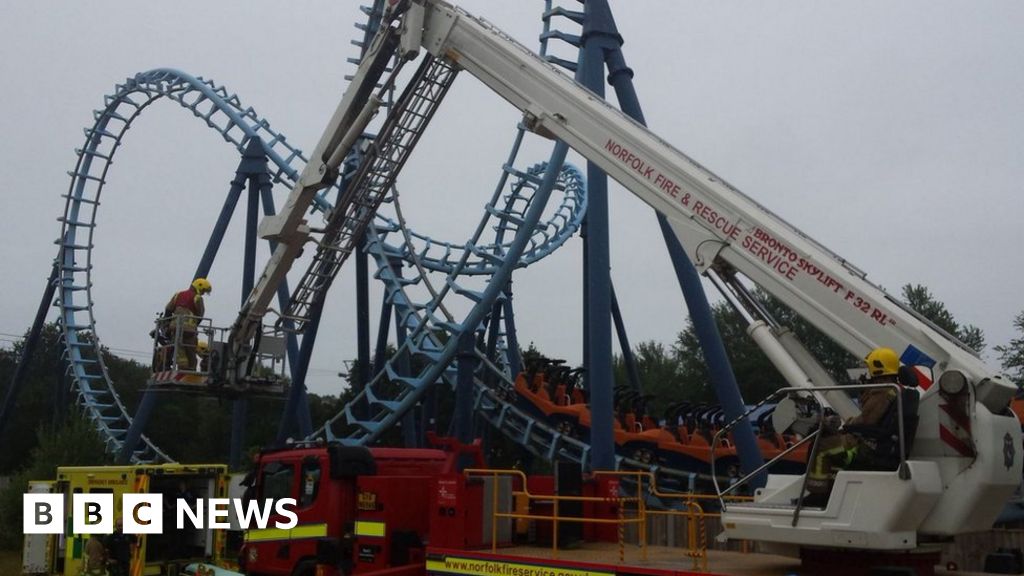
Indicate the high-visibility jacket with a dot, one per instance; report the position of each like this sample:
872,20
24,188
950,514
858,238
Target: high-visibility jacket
874,403
837,451
187,302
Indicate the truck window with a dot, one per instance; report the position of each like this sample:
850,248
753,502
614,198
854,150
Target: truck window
310,486
276,481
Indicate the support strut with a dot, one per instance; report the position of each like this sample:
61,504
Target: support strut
28,349
621,78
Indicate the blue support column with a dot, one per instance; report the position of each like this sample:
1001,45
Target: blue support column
620,76
29,348
584,234
363,368
254,163
598,330
60,399
283,293
719,369
296,411
494,324
428,415
380,350
411,432
148,400
362,315
632,372
139,421
464,387
410,436
464,391
515,359
221,226
297,400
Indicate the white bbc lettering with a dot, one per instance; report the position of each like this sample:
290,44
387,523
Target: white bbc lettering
42,513
143,513
194,516
92,513
247,511
286,507
219,508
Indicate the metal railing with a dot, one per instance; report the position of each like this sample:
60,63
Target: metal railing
643,481
812,437
191,345
179,342
640,517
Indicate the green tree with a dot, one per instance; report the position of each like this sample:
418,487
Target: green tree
189,428
532,354
924,303
832,357
1012,355
35,401
73,442
658,370
756,376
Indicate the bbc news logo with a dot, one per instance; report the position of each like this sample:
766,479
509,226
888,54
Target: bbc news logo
144,513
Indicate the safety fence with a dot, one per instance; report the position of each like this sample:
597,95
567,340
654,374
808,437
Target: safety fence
629,492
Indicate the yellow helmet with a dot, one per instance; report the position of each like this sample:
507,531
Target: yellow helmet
202,346
882,362
202,285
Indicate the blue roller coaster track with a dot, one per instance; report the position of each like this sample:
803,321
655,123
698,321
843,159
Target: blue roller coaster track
427,319
427,281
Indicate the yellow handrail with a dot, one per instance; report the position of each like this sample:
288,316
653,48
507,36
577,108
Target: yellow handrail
555,517
697,530
694,512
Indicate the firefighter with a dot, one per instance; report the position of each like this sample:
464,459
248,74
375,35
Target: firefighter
185,309
119,549
203,351
94,558
837,448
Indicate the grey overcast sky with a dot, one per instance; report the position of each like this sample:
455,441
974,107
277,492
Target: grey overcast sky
889,131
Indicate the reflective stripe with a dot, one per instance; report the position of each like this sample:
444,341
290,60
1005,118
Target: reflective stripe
297,533
369,528
822,469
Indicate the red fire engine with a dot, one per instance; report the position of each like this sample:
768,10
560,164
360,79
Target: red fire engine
361,507
394,511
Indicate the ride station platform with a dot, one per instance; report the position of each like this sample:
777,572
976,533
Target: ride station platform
552,526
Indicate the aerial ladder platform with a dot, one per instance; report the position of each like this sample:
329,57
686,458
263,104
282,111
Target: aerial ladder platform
734,241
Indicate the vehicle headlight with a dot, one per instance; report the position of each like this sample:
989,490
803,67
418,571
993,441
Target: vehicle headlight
952,382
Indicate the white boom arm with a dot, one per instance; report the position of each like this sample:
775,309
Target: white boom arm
714,221
959,484
720,226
